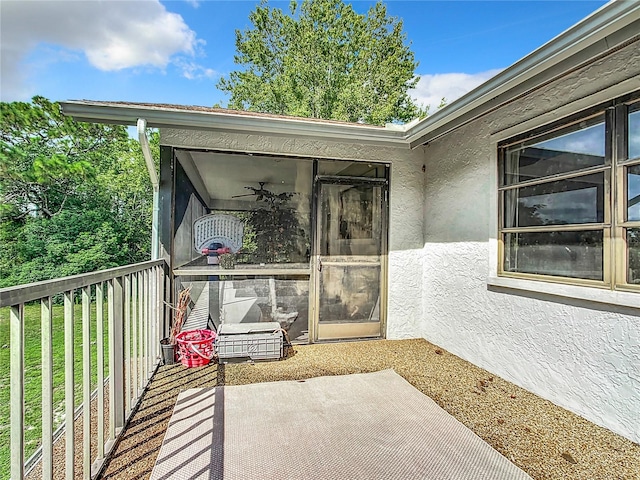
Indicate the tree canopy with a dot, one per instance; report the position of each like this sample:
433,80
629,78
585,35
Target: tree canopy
324,60
74,197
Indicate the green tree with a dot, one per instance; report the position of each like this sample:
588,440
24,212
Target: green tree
277,235
324,60
46,159
74,197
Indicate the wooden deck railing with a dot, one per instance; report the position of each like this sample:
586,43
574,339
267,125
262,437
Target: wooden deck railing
133,297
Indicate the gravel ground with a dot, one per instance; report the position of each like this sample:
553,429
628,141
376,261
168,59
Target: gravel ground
543,439
59,447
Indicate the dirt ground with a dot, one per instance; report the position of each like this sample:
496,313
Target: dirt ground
546,441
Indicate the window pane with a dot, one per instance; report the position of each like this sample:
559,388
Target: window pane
633,193
270,195
349,294
350,220
573,148
563,254
634,131
633,243
572,201
249,299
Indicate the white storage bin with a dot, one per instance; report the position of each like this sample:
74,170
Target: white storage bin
252,341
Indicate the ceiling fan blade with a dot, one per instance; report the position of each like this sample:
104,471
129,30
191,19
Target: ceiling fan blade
245,195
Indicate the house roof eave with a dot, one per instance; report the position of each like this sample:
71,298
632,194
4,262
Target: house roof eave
614,24
603,30
159,116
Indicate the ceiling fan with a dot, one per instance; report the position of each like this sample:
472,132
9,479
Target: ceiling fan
262,193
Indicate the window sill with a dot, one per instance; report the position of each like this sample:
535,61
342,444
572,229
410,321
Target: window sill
592,294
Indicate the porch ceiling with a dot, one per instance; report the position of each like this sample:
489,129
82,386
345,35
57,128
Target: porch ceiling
219,177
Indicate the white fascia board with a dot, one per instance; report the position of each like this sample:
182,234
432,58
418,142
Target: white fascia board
609,19
158,117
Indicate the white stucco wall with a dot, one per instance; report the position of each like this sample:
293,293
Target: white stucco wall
405,198
582,355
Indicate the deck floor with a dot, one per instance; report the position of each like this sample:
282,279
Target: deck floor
544,440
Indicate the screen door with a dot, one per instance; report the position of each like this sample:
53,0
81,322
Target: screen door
350,244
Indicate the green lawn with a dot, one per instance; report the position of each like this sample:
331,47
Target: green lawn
33,374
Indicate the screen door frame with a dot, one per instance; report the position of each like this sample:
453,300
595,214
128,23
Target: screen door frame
323,327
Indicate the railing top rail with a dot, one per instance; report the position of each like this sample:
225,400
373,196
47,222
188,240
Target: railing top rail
35,291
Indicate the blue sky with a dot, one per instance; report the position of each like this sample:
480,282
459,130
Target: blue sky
175,51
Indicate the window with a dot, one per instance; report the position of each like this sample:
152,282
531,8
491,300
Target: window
631,177
272,197
569,200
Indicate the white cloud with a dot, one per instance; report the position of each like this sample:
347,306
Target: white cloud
194,71
590,141
113,35
431,89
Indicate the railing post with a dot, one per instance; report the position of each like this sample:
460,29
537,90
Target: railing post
141,331
46,326
127,345
100,368
69,384
167,300
147,325
161,305
161,320
144,340
86,383
116,364
17,390
134,340
152,319
159,285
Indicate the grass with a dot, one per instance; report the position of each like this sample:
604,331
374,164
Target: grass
33,374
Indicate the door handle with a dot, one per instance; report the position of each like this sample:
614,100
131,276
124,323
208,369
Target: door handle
319,263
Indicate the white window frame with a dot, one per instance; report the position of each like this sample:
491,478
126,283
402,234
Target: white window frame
627,296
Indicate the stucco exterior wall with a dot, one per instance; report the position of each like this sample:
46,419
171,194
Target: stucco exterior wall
582,355
405,198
